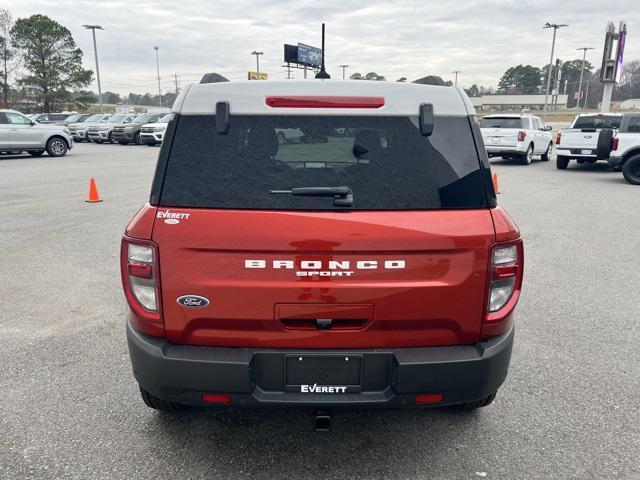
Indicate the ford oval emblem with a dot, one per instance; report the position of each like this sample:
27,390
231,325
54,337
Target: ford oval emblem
193,301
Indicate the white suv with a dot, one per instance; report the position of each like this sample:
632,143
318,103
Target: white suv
19,133
517,137
152,133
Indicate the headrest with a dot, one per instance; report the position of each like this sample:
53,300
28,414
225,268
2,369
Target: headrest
366,141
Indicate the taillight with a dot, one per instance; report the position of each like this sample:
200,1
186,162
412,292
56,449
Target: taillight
140,278
558,138
521,136
614,144
505,283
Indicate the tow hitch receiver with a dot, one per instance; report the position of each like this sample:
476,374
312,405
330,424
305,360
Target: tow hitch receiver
322,421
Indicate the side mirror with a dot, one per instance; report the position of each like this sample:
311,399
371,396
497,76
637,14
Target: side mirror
548,128
426,119
222,118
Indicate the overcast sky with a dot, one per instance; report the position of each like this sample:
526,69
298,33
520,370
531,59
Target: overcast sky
392,38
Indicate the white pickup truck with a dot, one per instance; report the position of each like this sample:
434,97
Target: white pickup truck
580,141
625,148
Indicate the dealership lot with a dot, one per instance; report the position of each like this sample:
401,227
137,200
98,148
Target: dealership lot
70,407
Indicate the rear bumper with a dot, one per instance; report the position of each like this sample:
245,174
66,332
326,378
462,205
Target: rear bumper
496,150
390,378
574,153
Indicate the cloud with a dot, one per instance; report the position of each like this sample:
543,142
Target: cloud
393,38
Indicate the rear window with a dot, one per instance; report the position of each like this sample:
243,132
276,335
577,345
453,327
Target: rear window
385,161
599,121
634,124
501,122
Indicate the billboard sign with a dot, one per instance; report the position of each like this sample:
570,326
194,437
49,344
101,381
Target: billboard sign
308,55
290,53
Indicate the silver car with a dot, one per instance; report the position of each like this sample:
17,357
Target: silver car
79,129
102,132
19,133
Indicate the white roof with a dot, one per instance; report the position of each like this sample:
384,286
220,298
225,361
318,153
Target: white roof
248,97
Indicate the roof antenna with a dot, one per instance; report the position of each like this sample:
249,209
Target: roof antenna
322,73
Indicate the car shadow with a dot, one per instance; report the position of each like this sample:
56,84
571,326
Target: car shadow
601,167
18,156
515,163
285,444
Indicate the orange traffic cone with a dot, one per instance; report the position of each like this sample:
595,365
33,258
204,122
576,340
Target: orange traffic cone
496,187
94,196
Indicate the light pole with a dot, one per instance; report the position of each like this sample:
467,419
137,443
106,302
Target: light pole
344,68
158,70
555,27
456,72
93,29
257,54
584,56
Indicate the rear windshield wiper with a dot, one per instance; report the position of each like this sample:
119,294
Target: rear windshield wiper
342,196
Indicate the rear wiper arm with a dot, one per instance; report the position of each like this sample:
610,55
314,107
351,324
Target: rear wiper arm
342,196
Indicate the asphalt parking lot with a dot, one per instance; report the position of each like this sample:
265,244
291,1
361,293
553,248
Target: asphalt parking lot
69,406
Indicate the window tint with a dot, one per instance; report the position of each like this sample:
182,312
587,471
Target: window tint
501,122
634,124
3,119
385,161
17,119
598,121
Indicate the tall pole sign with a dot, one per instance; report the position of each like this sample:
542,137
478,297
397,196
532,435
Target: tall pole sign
612,58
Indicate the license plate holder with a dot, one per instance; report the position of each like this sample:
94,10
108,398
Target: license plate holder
305,373
586,152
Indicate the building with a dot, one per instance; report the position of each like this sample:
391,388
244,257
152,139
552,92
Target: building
631,104
515,102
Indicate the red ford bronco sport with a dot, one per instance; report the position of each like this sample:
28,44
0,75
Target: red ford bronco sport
321,244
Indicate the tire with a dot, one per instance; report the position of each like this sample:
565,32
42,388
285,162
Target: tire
547,155
56,147
158,404
36,153
631,170
562,162
110,138
527,158
603,150
136,138
281,138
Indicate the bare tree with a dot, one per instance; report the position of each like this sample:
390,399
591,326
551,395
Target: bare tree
7,52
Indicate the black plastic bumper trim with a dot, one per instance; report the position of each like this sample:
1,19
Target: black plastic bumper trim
254,376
